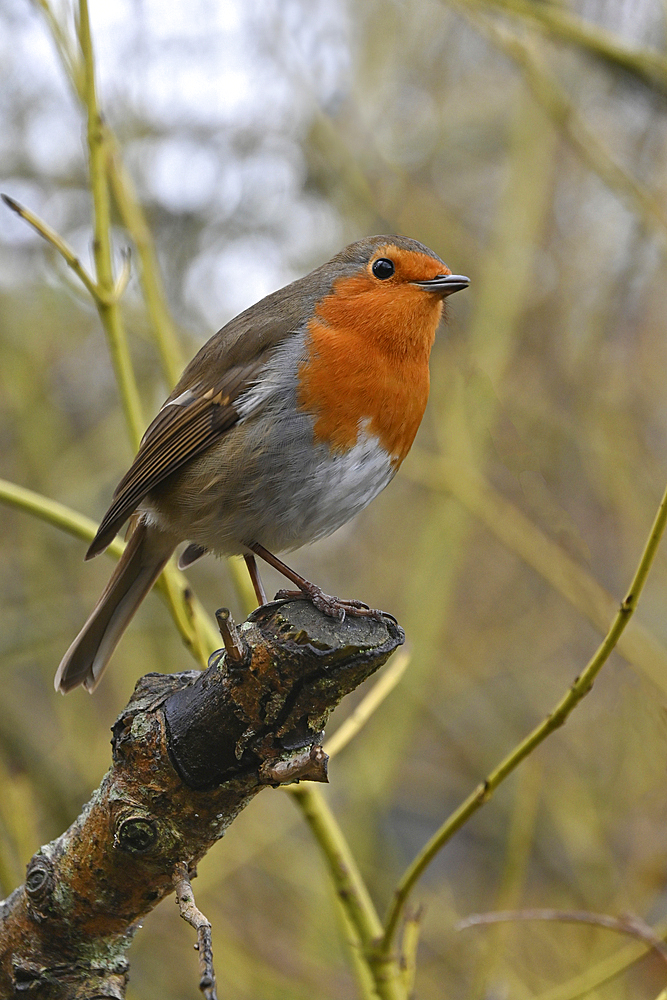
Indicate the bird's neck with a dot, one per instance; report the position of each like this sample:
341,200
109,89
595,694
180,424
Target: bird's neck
367,366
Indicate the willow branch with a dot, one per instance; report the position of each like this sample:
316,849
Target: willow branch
57,242
351,891
68,54
53,513
107,306
135,222
627,924
648,65
194,624
579,689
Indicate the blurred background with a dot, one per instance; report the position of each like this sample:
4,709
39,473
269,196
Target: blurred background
262,137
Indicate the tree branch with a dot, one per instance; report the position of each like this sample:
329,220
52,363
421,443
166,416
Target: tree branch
190,751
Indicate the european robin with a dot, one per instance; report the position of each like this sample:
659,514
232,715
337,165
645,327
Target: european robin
287,423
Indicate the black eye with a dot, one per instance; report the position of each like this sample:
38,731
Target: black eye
383,268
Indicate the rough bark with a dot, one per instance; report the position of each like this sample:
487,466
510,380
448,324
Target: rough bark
189,752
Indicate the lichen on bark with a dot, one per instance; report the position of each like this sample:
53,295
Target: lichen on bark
190,751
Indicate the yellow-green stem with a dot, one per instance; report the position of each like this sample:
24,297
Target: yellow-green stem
363,975
57,242
586,984
579,689
196,627
351,891
369,704
53,513
348,882
135,222
68,55
108,307
409,946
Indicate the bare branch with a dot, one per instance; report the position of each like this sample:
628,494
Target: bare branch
625,924
185,898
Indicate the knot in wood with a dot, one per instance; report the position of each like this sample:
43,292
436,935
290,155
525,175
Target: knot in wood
136,834
39,886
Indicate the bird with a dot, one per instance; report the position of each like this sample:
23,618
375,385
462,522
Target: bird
285,424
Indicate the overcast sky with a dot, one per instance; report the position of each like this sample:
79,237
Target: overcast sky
211,99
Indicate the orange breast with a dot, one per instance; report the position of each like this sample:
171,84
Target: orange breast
367,368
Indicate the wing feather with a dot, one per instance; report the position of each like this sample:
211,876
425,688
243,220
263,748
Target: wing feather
189,423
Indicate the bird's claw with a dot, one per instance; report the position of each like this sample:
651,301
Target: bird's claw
332,607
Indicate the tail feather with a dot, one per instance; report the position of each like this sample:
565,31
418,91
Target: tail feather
144,558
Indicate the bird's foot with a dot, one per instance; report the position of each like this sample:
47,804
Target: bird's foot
333,607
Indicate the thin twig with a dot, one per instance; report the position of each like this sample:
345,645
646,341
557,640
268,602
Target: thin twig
231,637
365,981
625,924
66,51
124,276
54,513
195,625
128,206
349,884
57,242
242,583
579,689
186,903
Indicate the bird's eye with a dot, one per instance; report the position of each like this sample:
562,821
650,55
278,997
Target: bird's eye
383,268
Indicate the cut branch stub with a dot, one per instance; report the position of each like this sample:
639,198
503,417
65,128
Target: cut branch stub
189,752
268,706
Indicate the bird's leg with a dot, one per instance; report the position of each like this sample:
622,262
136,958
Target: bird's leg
255,578
334,607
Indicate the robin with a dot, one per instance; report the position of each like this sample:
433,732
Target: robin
286,424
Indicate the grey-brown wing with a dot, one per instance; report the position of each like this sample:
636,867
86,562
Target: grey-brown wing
185,426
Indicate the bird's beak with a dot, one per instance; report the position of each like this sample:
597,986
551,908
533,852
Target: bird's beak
444,284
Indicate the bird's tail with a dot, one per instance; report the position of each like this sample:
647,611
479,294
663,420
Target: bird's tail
144,558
